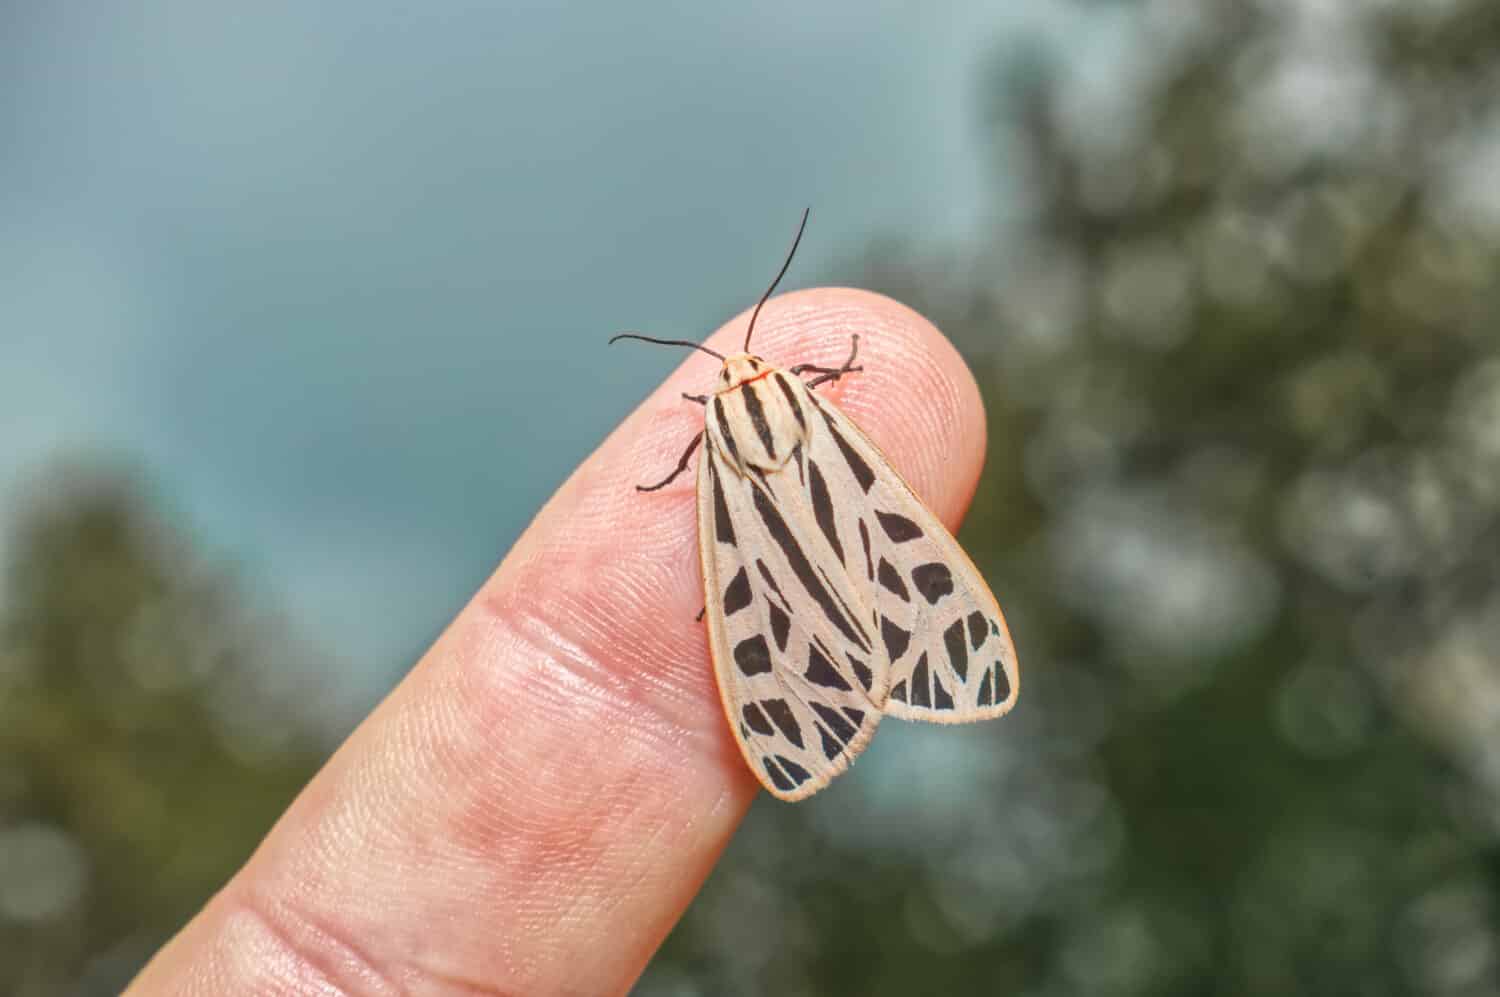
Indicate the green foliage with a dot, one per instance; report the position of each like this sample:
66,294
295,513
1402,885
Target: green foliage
140,756
1243,379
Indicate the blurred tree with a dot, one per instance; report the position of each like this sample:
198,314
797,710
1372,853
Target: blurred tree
143,750
1242,364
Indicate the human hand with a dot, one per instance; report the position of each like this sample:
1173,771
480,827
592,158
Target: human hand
533,807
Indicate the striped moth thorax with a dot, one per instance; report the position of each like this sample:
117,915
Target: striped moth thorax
833,596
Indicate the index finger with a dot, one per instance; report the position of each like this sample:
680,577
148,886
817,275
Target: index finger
533,807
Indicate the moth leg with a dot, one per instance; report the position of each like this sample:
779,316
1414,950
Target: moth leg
826,374
700,399
699,617
681,466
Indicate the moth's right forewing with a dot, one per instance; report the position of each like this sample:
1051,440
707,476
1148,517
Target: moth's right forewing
951,656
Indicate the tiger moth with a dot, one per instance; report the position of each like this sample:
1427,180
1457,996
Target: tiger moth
833,596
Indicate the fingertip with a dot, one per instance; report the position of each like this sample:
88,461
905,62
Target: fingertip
914,396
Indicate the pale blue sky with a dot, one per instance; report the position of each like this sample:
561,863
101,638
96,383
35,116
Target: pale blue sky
340,275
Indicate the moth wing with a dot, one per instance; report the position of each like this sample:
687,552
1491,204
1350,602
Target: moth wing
951,656
801,673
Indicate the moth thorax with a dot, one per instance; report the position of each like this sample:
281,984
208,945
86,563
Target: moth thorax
758,423
739,368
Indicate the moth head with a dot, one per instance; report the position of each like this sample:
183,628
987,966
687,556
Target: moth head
740,368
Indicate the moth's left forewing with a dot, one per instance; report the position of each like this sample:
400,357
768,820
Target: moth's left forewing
952,660
800,670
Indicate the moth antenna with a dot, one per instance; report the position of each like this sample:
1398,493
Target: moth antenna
666,342
782,273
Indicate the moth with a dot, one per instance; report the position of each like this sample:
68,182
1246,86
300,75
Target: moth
833,596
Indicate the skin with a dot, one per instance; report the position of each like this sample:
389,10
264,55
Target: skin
531,810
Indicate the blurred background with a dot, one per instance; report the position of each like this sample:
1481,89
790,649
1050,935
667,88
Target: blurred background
284,291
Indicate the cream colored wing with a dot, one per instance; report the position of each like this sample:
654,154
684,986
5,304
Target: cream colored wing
951,657
801,668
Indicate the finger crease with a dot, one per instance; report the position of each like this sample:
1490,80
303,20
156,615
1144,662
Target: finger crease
319,956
